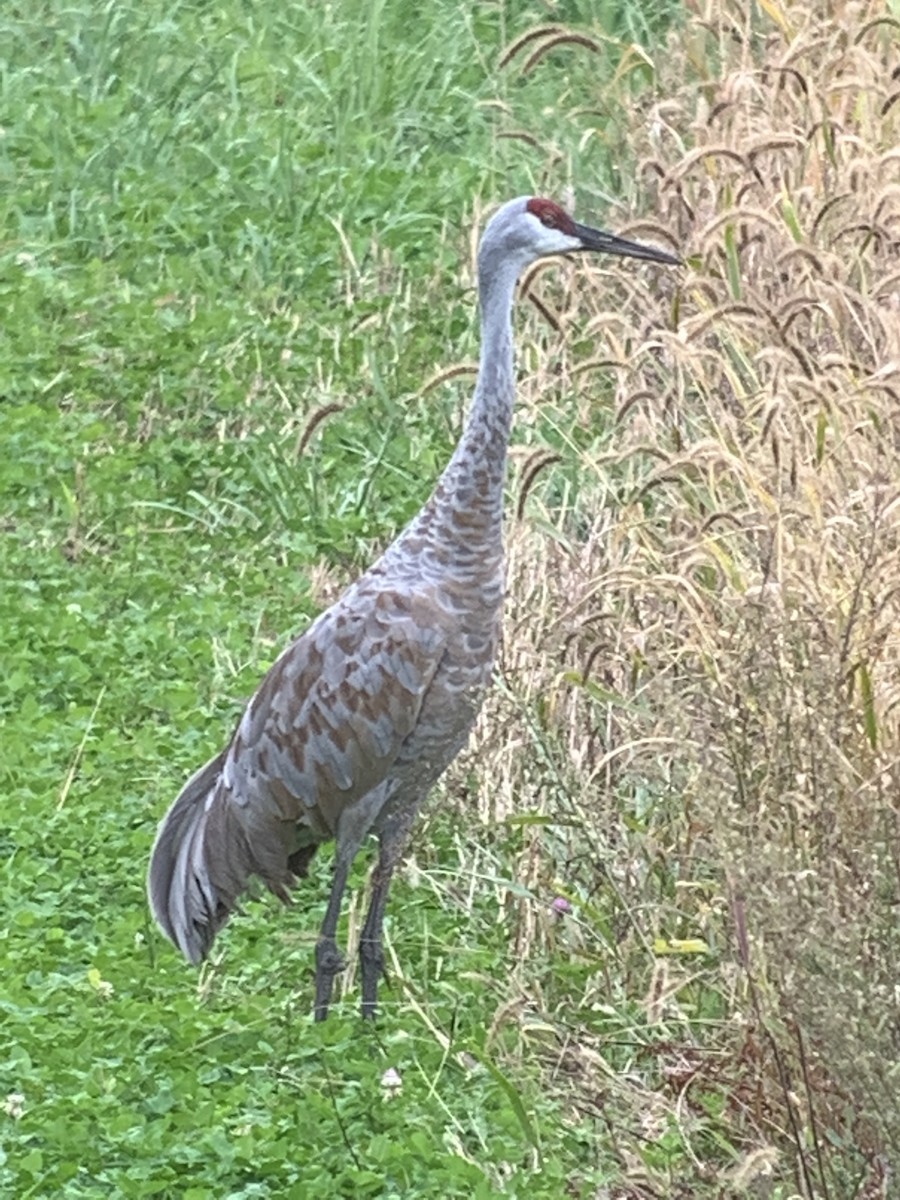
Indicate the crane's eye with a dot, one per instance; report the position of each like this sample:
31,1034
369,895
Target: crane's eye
550,219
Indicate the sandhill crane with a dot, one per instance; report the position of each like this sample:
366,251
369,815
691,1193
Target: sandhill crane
360,715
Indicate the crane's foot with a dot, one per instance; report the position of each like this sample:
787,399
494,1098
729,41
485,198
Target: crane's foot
329,962
371,964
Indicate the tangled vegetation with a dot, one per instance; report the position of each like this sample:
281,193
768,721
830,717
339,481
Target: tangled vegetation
706,646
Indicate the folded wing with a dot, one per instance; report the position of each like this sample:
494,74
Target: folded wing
309,760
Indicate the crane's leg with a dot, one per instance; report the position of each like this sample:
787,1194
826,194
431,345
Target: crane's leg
391,842
329,960
354,824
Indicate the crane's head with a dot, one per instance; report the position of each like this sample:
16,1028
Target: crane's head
530,227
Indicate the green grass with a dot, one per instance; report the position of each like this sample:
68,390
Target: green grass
214,219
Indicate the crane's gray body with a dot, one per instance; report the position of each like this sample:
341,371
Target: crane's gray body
362,713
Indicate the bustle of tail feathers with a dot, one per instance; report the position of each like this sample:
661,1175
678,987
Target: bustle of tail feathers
181,894
201,863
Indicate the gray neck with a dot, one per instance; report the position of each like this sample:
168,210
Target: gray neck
467,504
490,418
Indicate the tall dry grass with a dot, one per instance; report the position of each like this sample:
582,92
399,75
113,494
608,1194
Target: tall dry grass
702,660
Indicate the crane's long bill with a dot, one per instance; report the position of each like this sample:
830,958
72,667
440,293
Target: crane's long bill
609,243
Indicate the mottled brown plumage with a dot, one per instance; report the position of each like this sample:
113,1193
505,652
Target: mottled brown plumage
361,714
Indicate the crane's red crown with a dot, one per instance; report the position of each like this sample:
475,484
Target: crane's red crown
550,214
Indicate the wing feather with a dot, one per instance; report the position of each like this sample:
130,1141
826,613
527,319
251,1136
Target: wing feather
329,719
309,760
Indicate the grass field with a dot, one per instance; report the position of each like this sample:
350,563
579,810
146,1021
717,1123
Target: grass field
236,270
